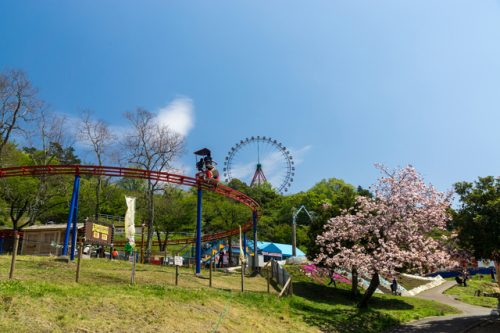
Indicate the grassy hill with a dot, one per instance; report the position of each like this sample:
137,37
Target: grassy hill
466,294
44,298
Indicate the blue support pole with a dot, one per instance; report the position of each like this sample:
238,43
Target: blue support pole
255,255
74,197
198,232
245,244
75,220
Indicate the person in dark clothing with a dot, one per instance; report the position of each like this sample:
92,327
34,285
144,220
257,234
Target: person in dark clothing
466,276
458,279
332,279
492,273
394,286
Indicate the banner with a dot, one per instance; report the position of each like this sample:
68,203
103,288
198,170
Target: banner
130,221
242,255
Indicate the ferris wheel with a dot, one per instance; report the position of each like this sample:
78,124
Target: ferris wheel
258,160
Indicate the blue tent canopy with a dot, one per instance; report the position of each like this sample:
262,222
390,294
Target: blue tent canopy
273,249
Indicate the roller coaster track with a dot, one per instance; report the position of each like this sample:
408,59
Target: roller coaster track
206,238
167,177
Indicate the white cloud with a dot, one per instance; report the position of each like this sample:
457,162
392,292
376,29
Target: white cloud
298,154
178,115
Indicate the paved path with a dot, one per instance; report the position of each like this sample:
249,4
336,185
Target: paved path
470,317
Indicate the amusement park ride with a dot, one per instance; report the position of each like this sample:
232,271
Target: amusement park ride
207,179
257,153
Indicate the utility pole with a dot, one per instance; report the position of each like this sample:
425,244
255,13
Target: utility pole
294,228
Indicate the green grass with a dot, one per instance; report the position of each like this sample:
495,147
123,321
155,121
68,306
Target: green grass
43,297
466,294
333,310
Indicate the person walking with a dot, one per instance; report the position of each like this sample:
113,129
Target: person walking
332,279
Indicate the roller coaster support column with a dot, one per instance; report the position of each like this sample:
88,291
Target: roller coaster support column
255,255
74,199
75,223
245,244
198,232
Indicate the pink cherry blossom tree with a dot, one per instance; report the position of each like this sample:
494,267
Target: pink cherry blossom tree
391,232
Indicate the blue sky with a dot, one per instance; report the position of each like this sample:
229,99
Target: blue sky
343,84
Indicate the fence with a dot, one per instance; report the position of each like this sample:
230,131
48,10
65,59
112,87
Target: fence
282,278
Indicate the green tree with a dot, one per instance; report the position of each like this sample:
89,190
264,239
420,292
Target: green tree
478,218
174,213
17,192
224,214
332,197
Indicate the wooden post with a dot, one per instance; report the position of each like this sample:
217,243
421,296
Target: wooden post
210,273
14,254
142,243
80,251
132,276
285,287
242,276
268,278
176,275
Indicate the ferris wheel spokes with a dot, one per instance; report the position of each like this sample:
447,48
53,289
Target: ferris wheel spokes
273,163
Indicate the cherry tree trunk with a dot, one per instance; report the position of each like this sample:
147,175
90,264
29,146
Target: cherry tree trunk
354,282
374,283
497,269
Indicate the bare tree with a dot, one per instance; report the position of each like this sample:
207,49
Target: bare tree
18,104
97,135
152,147
37,195
47,146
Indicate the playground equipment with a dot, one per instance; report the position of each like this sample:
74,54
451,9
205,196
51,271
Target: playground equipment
264,152
201,183
294,227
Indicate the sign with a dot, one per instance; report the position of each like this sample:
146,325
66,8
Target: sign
130,220
271,254
178,260
98,234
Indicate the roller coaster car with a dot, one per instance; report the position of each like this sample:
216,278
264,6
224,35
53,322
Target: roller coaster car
206,166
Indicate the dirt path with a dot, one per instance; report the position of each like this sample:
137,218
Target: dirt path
471,315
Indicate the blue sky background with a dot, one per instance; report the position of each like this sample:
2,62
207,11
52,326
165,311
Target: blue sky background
344,84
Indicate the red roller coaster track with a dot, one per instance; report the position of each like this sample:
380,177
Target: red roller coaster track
92,170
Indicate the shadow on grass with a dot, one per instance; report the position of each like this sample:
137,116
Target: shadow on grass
324,294
334,310
454,324
346,320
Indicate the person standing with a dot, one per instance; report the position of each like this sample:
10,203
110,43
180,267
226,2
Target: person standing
114,254
216,260
394,286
